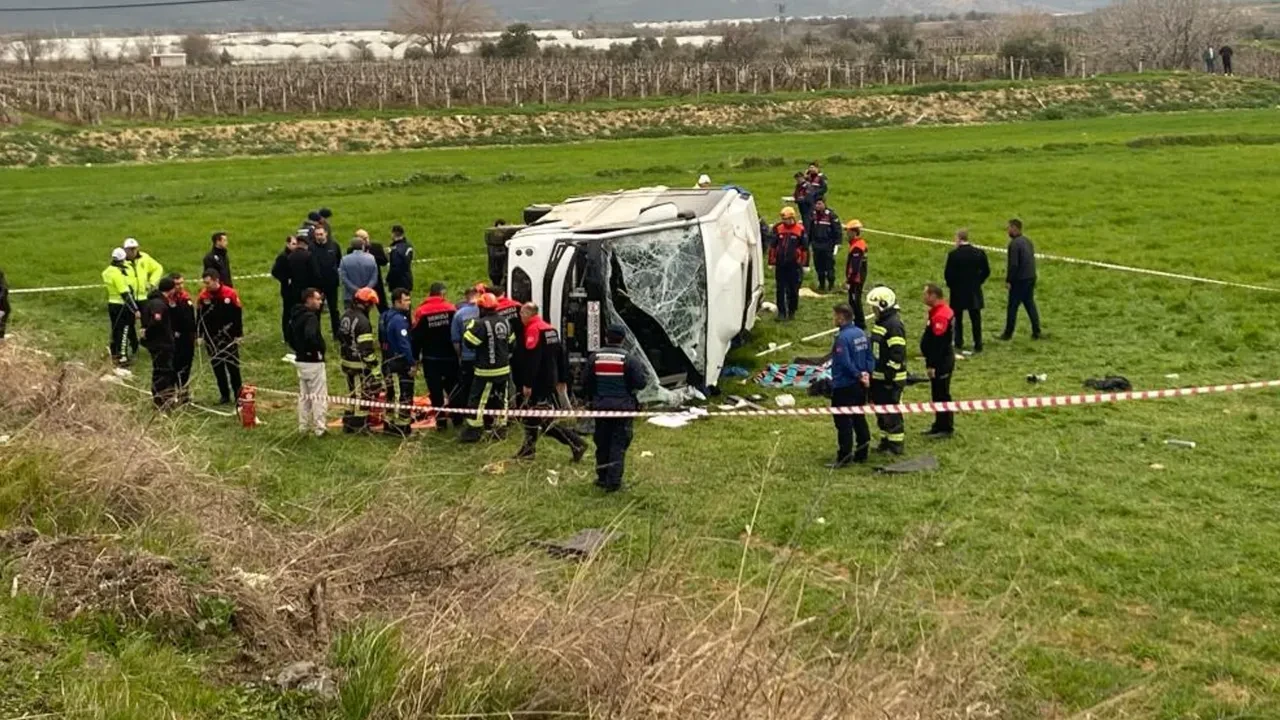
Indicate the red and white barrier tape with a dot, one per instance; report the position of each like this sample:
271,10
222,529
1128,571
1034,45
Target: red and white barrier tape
1090,263
961,406
255,276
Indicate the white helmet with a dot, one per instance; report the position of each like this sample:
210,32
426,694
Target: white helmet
882,298
118,255
130,244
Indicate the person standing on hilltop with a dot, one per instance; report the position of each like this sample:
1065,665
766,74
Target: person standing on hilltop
1208,59
1020,280
4,304
1225,53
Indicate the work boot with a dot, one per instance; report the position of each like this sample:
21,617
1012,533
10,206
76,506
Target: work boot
938,433
895,448
883,447
578,453
526,453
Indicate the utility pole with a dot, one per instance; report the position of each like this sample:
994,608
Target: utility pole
782,23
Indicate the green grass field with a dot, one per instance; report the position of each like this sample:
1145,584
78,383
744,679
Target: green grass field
1104,571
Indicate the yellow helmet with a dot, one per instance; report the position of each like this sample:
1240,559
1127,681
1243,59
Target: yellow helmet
882,298
788,213
853,225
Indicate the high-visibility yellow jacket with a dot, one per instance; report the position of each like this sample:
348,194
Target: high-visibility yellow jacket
119,284
146,274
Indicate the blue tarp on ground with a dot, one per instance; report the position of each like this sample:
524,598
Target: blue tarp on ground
793,375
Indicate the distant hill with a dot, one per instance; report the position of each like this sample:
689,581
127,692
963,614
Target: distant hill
294,14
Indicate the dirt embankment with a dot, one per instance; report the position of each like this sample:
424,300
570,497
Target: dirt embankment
1032,101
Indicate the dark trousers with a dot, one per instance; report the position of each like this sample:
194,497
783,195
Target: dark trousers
124,333
487,393
286,318
225,359
183,358
442,385
975,314
940,392
612,437
1226,65
847,426
824,264
855,302
462,391
361,385
4,319
554,428
788,279
333,301
1022,293
399,382
892,428
164,378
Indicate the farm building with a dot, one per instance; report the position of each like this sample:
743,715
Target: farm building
168,60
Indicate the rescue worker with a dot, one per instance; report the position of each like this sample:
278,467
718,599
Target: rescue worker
611,381
544,377
157,337
790,258
467,311
182,315
217,258
432,341
123,309
939,358
490,337
280,271
325,259
147,273
5,309
824,238
852,363
966,272
817,181
889,336
399,365
400,272
509,311
855,271
220,318
800,195
358,270
309,353
359,360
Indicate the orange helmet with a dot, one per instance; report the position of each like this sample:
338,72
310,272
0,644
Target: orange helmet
487,301
366,296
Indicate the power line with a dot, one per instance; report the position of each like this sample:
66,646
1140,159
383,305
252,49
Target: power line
115,6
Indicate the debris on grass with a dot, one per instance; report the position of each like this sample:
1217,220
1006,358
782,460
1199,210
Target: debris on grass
1174,442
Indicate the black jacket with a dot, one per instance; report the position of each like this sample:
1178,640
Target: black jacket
544,363
935,343
305,335
324,264
889,337
825,232
612,379
302,275
4,293
1022,260
400,273
379,254
218,261
358,346
182,317
219,316
491,337
280,271
432,330
967,270
157,324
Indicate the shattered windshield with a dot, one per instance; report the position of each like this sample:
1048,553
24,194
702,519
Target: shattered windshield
665,276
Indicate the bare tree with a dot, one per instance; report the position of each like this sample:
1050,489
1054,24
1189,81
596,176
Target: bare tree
31,48
441,23
94,52
199,50
1161,33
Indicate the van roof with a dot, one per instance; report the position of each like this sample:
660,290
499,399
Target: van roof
620,210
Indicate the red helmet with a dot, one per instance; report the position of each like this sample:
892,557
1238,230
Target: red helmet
366,296
487,301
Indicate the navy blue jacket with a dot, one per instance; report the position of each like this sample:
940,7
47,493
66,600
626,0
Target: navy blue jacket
400,274
395,335
850,357
612,379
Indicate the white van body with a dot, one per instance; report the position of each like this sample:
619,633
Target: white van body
681,268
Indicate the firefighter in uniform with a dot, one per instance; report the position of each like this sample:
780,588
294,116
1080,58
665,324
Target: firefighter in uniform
939,358
122,308
158,339
889,337
544,373
398,364
220,318
432,321
359,359
855,271
790,258
824,238
491,337
611,381
183,316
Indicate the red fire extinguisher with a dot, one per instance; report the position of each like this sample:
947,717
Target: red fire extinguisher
248,408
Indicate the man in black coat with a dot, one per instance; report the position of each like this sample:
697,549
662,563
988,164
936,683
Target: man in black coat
967,270
325,256
1020,279
218,260
280,271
